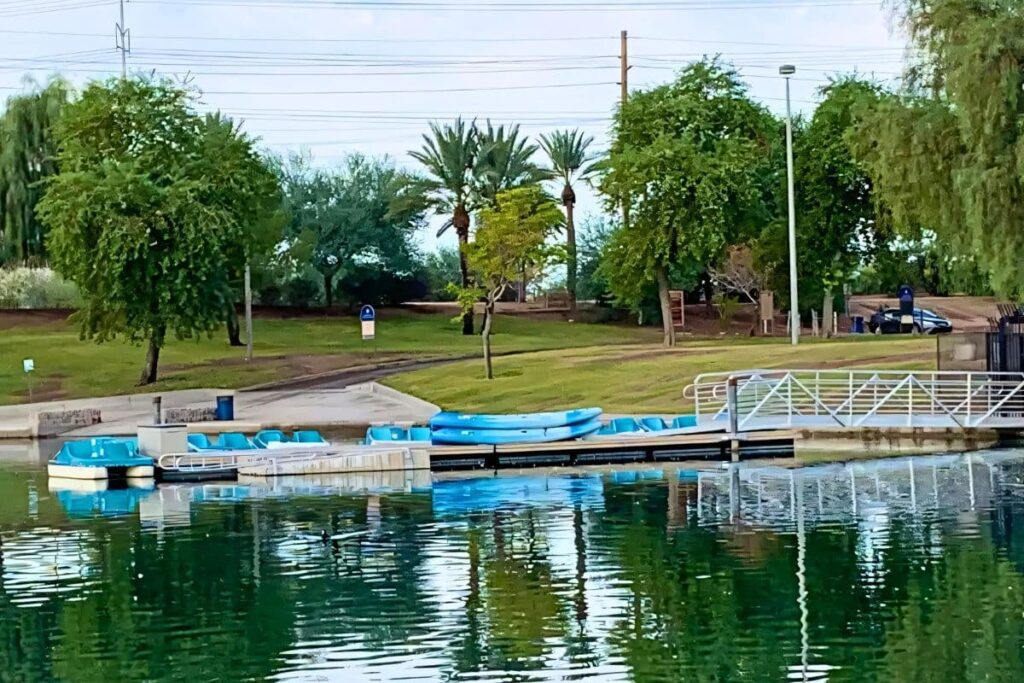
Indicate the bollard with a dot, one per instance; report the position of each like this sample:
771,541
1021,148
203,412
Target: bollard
157,417
734,419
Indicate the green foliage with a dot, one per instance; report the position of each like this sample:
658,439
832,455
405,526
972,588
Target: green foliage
448,155
441,269
28,151
151,208
593,239
947,153
353,223
687,159
503,162
837,228
35,288
512,236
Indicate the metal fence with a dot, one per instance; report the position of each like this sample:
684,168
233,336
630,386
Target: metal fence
779,399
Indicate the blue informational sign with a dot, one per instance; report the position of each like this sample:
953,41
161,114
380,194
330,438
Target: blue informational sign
367,316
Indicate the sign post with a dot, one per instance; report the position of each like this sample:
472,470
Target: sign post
906,297
28,365
367,321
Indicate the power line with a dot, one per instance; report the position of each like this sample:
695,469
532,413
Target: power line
549,6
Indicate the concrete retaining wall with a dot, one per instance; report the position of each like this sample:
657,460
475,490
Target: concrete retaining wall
189,415
54,422
893,441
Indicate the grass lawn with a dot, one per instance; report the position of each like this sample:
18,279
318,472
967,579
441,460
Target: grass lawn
69,368
639,380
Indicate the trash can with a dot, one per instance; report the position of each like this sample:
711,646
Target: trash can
226,408
858,324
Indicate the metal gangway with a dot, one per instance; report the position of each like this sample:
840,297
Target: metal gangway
753,400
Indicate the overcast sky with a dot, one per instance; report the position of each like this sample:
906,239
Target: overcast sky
334,77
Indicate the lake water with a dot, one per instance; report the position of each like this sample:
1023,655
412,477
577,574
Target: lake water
895,570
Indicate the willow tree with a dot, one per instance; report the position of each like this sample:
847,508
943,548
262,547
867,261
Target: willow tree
149,210
28,151
687,157
947,153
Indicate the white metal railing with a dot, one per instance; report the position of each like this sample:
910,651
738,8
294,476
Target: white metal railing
772,399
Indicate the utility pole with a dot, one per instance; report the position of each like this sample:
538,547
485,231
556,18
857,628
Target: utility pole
786,71
248,313
624,65
624,83
123,42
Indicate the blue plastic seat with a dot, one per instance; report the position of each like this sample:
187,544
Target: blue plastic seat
199,442
308,436
653,424
620,425
264,438
234,441
386,433
79,449
419,434
684,421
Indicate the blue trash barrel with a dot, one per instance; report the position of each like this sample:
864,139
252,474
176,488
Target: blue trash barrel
225,408
858,324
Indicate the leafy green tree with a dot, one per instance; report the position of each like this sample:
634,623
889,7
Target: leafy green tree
686,158
441,270
351,219
28,151
449,156
836,223
510,238
504,162
567,151
946,153
148,212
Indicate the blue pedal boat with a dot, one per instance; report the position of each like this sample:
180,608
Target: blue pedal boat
393,435
100,458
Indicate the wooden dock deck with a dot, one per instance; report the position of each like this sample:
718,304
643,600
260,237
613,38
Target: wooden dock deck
625,449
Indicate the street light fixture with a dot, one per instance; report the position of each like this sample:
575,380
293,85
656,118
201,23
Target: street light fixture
787,70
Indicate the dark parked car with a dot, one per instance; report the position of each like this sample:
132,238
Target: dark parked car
887,321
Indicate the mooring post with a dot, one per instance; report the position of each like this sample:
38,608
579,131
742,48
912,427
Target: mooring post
157,417
734,420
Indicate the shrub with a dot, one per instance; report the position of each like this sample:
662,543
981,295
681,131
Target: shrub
36,288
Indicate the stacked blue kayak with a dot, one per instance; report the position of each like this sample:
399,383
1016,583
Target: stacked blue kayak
466,429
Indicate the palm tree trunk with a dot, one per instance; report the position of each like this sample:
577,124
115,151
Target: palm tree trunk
668,327
570,256
467,316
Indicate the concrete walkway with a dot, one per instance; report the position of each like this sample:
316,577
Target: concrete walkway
350,408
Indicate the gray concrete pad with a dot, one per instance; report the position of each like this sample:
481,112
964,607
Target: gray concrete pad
351,407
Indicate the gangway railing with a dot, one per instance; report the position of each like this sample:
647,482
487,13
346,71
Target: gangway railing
778,399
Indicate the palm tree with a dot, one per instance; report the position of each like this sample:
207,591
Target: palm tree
567,150
505,162
449,155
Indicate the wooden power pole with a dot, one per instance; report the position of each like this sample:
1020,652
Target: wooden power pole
624,65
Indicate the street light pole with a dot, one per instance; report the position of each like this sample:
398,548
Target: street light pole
787,70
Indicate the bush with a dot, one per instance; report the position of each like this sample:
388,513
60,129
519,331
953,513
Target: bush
36,288
302,291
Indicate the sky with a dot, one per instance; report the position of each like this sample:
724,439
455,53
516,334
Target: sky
333,77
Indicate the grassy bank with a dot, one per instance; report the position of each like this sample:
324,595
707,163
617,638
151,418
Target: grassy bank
636,380
69,368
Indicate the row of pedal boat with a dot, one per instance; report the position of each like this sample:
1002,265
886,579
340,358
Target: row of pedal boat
104,457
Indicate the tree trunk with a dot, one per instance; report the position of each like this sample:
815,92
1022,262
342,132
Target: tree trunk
486,334
709,291
755,327
234,329
522,285
329,289
826,312
668,327
570,256
467,316
156,342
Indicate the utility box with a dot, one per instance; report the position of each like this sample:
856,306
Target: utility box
157,440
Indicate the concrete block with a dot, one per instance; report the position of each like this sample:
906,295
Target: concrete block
54,422
208,414
157,440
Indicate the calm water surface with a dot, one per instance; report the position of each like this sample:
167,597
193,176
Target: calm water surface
892,570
